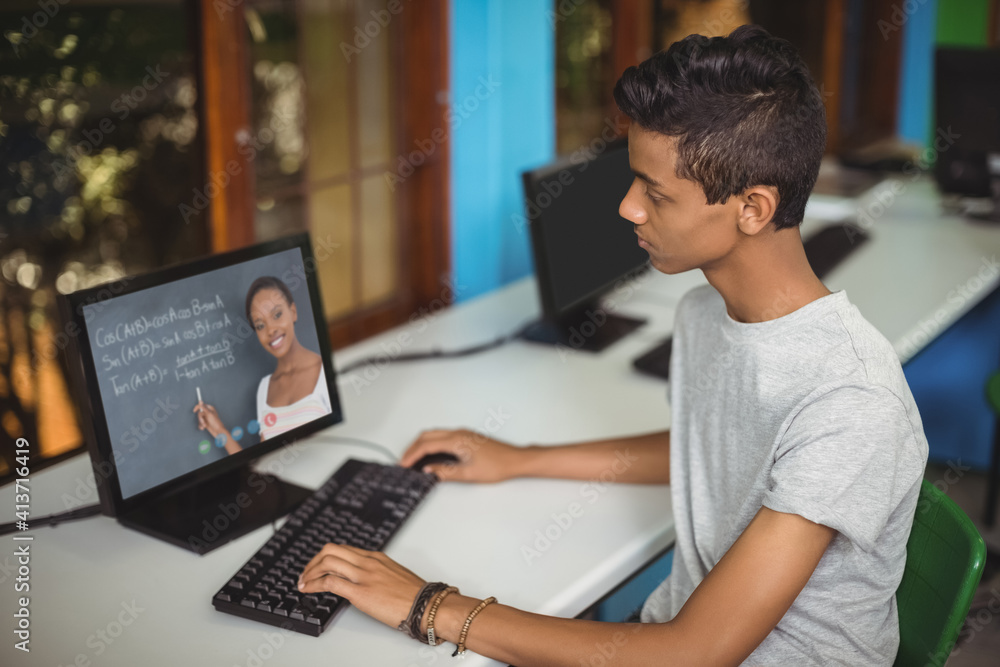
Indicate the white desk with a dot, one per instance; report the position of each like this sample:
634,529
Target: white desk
922,269
472,536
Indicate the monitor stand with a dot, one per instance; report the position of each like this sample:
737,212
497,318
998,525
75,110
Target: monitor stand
589,328
217,510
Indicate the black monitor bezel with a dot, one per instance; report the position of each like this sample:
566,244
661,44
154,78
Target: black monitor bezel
532,182
80,361
947,61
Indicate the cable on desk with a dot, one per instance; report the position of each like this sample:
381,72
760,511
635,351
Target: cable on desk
54,520
436,353
347,440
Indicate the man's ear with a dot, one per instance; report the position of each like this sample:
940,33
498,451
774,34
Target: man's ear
757,207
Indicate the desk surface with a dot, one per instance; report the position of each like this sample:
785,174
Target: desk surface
88,579
922,269
86,574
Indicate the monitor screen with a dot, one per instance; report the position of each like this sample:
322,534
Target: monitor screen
235,344
581,245
967,104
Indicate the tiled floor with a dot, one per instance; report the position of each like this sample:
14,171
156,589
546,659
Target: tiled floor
979,642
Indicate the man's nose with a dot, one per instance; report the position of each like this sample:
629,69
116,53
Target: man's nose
629,208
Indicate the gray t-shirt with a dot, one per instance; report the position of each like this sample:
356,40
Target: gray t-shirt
807,414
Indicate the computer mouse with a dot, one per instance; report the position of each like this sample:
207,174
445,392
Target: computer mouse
434,458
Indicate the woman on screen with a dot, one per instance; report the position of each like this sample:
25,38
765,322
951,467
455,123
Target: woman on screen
296,392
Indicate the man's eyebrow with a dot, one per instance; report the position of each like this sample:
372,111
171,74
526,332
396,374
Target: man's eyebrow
649,179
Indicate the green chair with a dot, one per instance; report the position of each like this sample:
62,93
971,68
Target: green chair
944,562
993,477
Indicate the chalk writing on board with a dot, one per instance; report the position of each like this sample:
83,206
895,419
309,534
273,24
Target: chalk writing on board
148,347
204,359
140,345
139,327
152,376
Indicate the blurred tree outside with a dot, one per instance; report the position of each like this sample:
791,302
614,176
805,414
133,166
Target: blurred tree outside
584,73
99,141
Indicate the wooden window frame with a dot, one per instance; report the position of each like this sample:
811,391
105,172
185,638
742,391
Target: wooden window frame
420,58
877,87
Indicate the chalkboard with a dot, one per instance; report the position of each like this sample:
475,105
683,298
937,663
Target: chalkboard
155,348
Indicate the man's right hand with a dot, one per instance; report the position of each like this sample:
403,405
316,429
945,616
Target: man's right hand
480,459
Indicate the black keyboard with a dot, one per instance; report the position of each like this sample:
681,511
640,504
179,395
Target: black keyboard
655,362
362,505
831,245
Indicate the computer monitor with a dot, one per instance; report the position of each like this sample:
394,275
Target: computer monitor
967,104
149,353
582,247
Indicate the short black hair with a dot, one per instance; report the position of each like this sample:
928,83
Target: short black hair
267,282
744,109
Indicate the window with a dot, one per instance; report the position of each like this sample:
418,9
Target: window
853,63
338,94
120,125
99,138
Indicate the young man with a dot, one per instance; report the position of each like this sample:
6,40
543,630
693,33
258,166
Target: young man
796,451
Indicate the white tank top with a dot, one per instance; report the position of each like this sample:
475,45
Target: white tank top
277,420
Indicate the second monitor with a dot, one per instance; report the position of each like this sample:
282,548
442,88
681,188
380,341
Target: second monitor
582,248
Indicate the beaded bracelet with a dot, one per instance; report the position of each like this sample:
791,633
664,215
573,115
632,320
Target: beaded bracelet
432,613
460,649
411,624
